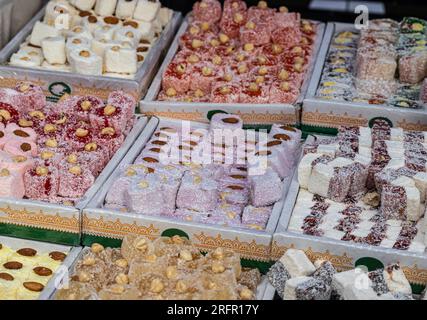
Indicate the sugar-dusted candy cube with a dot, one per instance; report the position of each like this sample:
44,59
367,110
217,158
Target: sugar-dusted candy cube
176,79
256,217
401,200
297,263
255,32
306,288
8,114
82,107
109,116
31,97
266,189
110,139
207,11
413,67
278,276
197,193
74,182
325,271
41,183
126,102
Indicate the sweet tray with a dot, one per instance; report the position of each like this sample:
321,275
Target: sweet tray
42,247
56,84
343,255
254,114
109,227
325,116
60,224
260,294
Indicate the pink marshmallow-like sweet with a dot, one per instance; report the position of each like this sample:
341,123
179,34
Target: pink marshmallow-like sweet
207,11
11,184
21,148
21,134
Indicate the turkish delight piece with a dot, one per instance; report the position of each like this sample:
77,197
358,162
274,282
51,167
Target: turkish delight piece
11,184
378,282
413,67
297,263
401,200
325,271
197,192
256,217
226,121
353,292
277,276
207,11
306,288
74,182
266,189
396,280
41,183
342,280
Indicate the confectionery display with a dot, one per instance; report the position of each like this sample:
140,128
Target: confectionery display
54,152
25,272
236,206
193,176
102,37
295,277
365,186
164,269
236,54
382,65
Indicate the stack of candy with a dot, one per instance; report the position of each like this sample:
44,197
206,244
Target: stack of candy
383,65
164,269
240,55
54,152
196,177
24,273
365,186
295,277
102,37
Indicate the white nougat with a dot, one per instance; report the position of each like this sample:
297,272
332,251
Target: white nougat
420,180
59,14
320,178
397,134
100,46
413,198
146,10
354,293
80,31
105,32
76,43
128,34
91,23
305,168
84,5
105,8
121,60
54,50
86,62
56,67
146,30
165,15
42,30
125,8
396,280
365,137
25,60
348,278
297,263
291,285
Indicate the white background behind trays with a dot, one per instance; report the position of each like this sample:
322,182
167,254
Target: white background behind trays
94,209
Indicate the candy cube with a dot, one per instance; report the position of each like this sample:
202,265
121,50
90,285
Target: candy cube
256,217
74,182
197,193
11,184
266,189
41,183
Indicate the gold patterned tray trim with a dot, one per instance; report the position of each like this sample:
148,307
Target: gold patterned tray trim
248,250
248,117
40,220
116,229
